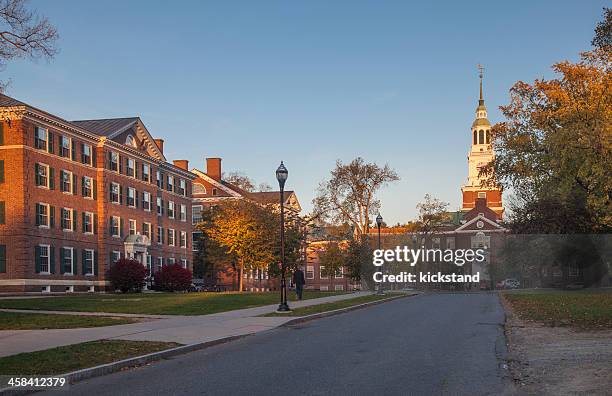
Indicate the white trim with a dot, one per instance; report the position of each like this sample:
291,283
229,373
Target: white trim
475,219
216,183
45,282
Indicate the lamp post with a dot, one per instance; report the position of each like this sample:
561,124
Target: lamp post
281,176
379,221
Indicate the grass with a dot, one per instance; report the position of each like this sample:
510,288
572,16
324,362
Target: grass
78,356
35,321
313,309
154,303
584,309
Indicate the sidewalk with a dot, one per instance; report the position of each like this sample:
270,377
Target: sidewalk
180,329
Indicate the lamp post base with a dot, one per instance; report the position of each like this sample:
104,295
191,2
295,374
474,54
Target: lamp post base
283,307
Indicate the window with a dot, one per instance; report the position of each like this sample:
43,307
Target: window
198,188
195,240
214,191
44,259
184,263
482,194
146,201
170,209
160,235
2,258
132,226
182,187
339,273
88,262
488,136
183,240
87,187
146,172
573,270
160,206
450,242
40,139
131,197
67,219
87,154
171,261
115,256
67,261
115,193
113,161
481,138
130,141
309,272
338,287
170,183
42,175
183,213
88,222
322,272
435,243
146,230
475,137
115,225
196,214
131,167
158,179
42,215
66,147
160,262
66,184
171,235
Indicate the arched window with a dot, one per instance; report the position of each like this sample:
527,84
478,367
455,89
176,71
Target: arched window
475,138
488,136
481,138
130,141
198,188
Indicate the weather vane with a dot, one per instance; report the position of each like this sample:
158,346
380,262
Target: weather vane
480,69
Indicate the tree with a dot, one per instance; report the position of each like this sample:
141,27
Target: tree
247,231
433,214
358,261
555,149
240,180
603,32
349,196
24,34
332,259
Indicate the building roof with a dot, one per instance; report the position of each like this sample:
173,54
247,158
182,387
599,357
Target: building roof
106,127
7,101
269,197
481,122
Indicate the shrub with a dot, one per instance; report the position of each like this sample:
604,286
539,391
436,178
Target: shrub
127,275
173,278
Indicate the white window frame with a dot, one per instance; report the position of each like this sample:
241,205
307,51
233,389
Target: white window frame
310,270
146,201
90,162
71,214
70,182
48,271
131,231
133,168
90,216
321,276
147,173
171,210
91,186
182,187
183,212
183,239
160,262
338,287
184,263
118,220
339,274
48,176
71,249
160,234
170,177
93,258
46,139
118,201
114,161
172,231
61,147
117,254
48,215
171,261
149,228
131,190
159,208
198,218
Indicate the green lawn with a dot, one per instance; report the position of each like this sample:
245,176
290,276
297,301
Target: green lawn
69,358
313,309
585,309
154,303
34,321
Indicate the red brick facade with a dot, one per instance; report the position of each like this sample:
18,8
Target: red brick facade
55,223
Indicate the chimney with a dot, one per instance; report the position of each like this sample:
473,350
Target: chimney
183,164
213,168
160,144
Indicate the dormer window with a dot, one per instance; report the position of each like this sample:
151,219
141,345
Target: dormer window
130,141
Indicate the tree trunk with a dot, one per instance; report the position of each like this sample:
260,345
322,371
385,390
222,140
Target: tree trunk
241,275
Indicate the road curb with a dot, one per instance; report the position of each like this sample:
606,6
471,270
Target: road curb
302,319
113,367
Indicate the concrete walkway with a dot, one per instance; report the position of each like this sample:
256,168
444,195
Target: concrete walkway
180,329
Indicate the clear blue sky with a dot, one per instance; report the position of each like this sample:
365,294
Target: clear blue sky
307,82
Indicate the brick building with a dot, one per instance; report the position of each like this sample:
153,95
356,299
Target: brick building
75,196
210,190
316,279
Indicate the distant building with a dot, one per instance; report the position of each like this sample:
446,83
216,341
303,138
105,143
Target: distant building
76,196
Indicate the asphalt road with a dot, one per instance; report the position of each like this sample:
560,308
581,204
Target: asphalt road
428,344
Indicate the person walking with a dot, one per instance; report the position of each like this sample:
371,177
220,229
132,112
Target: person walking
299,281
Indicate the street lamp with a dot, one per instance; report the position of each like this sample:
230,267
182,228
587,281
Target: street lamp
281,176
379,221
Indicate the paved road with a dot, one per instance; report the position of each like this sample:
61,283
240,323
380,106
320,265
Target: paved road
428,344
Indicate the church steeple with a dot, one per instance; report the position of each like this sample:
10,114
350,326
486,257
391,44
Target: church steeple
481,110
481,101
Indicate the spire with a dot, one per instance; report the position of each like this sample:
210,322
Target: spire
480,69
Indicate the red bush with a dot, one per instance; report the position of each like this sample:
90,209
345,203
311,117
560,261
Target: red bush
173,278
127,275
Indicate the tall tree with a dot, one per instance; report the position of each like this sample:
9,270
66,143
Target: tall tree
24,34
433,214
603,32
332,260
240,180
349,196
